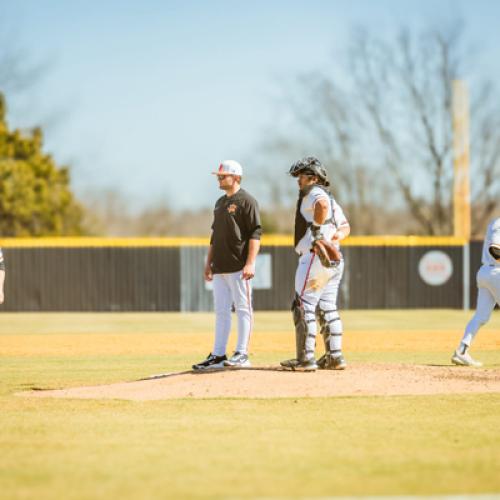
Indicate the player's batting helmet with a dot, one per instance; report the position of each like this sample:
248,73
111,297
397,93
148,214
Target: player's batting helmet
310,165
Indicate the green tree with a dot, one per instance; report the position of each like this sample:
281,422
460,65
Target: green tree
35,195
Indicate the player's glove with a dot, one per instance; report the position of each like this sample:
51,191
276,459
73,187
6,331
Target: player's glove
328,254
495,251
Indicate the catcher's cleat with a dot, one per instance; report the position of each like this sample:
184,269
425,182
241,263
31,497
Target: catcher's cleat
328,362
309,365
290,363
238,359
322,362
212,362
337,363
464,359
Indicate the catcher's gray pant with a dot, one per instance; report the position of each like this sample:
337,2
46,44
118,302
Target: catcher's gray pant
316,285
488,284
232,289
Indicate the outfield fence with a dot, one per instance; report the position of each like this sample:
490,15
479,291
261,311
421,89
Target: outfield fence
166,274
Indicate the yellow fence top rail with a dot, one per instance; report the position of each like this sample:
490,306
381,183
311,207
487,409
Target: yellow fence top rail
270,240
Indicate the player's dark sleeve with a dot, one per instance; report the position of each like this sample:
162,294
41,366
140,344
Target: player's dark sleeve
253,221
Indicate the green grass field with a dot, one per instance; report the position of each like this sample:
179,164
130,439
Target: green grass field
304,447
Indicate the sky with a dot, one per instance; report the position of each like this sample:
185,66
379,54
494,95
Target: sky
148,97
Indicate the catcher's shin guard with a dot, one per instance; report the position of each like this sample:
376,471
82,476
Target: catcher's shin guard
300,328
331,330
320,316
301,333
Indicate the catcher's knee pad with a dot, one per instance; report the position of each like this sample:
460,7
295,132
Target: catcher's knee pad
302,315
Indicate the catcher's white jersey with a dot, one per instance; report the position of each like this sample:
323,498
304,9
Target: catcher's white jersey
335,212
492,237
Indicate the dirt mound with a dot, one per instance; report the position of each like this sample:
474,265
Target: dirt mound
360,379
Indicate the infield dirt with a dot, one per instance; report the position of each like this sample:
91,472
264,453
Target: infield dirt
360,379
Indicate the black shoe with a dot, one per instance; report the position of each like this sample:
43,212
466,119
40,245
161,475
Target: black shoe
211,363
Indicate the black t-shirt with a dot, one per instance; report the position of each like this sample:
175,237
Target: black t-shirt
236,222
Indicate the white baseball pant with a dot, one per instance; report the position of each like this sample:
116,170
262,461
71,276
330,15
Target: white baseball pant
231,289
488,284
316,284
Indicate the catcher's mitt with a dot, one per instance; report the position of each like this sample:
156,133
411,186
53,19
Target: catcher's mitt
495,251
328,253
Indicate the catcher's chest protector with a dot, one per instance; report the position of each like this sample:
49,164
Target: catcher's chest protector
301,224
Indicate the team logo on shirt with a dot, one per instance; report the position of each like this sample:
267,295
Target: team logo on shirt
232,208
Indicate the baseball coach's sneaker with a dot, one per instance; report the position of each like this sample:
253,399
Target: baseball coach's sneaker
308,365
211,362
464,359
238,359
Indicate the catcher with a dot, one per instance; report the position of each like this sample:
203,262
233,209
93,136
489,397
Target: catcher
320,225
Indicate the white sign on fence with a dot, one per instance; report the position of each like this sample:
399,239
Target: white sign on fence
435,268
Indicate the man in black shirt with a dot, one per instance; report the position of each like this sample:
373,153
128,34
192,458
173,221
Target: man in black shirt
230,265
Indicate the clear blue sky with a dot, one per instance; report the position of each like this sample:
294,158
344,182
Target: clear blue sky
147,91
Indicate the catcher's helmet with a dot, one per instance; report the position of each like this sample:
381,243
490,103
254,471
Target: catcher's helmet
310,165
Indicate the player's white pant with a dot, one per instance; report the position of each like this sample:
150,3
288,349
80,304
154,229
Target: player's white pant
488,283
317,285
232,289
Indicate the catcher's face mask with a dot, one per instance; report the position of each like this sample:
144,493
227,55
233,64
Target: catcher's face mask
310,165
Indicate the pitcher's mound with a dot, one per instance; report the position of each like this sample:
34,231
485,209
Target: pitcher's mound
360,379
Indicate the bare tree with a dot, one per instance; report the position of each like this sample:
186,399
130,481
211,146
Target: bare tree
387,132
485,139
108,213
327,129
404,89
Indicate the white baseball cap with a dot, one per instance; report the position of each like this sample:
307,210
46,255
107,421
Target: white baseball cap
229,167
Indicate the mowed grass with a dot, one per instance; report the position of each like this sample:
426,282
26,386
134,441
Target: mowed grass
236,447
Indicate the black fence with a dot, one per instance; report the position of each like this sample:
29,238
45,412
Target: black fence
163,278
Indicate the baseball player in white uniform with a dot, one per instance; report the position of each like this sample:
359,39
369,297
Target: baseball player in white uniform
488,284
318,217
2,276
234,245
